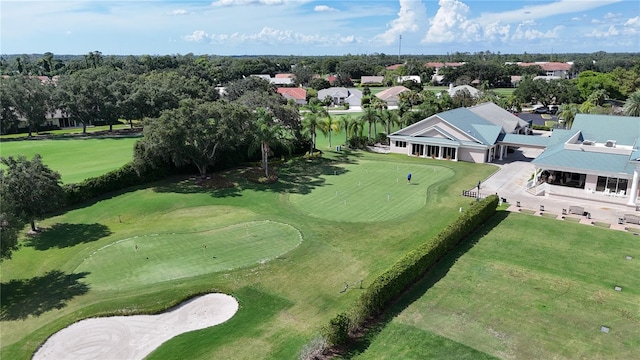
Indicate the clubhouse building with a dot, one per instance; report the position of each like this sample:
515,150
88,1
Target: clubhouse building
599,155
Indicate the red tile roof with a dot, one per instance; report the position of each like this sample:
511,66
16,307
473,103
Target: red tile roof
439,64
549,66
284,76
394,66
296,93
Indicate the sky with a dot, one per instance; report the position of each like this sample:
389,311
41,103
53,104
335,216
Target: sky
306,27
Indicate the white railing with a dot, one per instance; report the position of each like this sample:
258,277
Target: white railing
538,190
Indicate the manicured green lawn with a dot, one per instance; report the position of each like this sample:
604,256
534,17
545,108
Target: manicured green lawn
67,131
82,265
370,191
520,293
75,159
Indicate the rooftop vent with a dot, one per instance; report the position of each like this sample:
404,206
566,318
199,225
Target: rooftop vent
588,142
610,143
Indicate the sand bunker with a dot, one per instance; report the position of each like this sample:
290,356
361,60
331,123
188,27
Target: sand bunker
134,337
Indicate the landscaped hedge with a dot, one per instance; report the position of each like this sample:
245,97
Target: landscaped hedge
115,180
407,271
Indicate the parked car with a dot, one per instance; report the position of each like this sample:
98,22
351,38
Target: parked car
553,109
541,110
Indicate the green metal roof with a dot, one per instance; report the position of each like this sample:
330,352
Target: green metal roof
474,125
585,160
625,130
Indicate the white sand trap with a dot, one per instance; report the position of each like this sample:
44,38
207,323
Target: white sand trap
134,337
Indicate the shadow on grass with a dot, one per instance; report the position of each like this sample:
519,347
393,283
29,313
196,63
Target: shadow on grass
298,176
62,235
33,297
415,292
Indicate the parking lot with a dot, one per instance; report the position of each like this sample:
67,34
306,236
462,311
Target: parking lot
537,119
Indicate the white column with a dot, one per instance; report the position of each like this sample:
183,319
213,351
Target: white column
501,151
440,152
634,186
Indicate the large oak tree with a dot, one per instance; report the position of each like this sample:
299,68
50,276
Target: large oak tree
192,134
30,188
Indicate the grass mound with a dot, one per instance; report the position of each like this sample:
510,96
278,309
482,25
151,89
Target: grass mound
368,192
154,258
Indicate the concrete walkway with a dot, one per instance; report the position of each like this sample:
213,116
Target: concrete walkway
509,182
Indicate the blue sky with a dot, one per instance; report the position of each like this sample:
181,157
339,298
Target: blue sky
304,27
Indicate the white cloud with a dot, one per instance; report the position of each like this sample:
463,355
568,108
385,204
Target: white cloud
611,15
452,24
197,36
246,2
411,14
178,12
558,7
497,31
524,31
635,22
324,8
632,26
611,31
269,35
597,21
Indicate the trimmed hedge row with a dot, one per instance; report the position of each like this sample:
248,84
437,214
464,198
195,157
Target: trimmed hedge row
115,180
407,271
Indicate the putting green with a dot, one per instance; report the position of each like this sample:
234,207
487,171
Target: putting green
370,191
155,258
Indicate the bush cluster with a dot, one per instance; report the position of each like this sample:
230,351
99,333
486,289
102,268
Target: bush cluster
407,271
115,180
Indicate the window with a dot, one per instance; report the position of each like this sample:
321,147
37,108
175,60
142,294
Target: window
613,184
449,153
401,144
433,151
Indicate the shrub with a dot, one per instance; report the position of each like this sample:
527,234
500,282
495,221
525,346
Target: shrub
408,270
338,330
382,138
115,180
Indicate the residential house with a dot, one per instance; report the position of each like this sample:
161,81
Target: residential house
299,95
342,95
454,89
284,76
394,67
437,78
278,81
390,95
415,78
262,76
599,155
477,134
556,69
371,80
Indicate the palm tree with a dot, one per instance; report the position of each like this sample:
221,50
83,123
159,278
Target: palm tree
632,105
356,128
389,118
379,105
328,126
568,112
268,133
370,116
311,121
345,125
